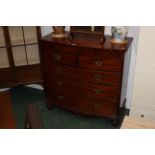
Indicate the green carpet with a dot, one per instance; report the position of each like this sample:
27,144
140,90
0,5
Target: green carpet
56,118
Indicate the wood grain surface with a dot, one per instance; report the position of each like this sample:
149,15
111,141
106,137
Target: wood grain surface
7,118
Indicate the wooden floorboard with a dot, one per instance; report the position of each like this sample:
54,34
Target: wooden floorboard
7,118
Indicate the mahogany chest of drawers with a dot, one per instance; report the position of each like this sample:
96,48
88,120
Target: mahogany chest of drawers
83,75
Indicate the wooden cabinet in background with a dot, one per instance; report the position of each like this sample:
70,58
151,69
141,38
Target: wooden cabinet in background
19,55
83,75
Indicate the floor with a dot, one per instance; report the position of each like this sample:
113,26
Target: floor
52,119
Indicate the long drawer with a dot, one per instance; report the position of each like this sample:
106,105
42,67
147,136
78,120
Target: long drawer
77,74
83,88
97,107
89,105
99,90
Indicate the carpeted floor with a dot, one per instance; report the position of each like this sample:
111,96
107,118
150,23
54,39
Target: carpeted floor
52,119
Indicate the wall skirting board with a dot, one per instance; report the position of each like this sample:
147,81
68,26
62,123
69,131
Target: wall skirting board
37,86
4,89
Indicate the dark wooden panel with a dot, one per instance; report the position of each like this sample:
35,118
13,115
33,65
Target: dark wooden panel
60,58
61,97
77,74
7,116
87,105
6,77
52,55
91,60
98,90
64,48
28,73
97,107
60,85
83,88
99,77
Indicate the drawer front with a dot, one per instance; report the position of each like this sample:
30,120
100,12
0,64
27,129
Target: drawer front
91,76
59,70
83,104
62,84
59,58
97,107
63,48
98,90
100,61
61,97
100,77
81,88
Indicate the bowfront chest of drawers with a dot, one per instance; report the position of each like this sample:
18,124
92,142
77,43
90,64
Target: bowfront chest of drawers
83,75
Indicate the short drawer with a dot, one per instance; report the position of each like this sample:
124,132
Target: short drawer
100,62
59,58
59,70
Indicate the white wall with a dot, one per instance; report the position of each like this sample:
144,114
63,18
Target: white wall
4,89
143,99
129,67
130,59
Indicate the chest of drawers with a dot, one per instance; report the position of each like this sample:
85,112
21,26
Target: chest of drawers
83,75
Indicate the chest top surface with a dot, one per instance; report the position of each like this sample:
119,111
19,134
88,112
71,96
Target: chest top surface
89,41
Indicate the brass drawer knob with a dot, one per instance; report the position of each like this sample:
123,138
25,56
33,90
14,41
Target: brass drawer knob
57,57
97,105
59,83
98,63
60,97
98,91
98,77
